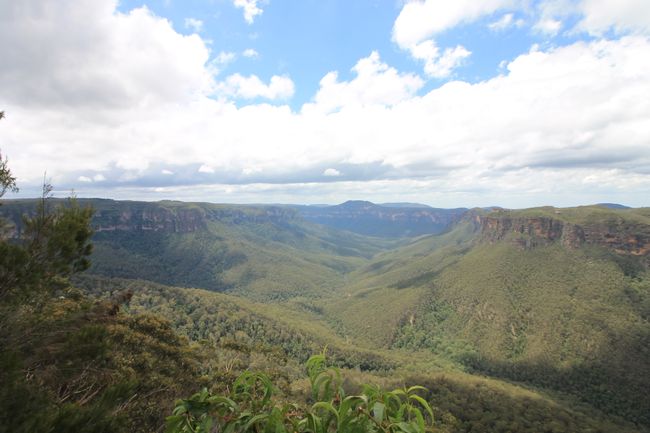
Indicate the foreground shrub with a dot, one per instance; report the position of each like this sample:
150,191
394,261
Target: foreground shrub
250,407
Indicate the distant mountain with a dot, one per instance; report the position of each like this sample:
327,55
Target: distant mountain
407,205
357,205
613,206
388,221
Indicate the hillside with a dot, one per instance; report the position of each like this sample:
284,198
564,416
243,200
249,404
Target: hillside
264,252
255,335
559,298
532,309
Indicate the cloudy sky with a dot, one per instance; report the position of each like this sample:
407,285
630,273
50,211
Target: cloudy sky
515,103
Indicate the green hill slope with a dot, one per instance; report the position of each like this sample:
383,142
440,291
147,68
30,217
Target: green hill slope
555,298
223,319
264,252
275,338
552,303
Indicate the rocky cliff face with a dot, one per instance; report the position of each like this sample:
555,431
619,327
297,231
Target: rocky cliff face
617,234
157,220
182,219
529,232
384,221
112,216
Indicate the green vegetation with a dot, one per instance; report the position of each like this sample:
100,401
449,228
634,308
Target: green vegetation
639,218
263,253
68,363
559,328
225,321
250,407
570,319
74,365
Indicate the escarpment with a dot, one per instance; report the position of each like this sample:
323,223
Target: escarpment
529,232
384,221
617,234
163,217
153,219
184,219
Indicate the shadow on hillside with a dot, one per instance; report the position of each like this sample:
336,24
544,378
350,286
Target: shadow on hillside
473,405
616,380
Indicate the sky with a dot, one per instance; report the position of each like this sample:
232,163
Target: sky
513,103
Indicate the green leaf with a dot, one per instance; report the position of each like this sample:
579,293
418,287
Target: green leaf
424,404
206,425
254,420
174,423
378,411
326,406
415,388
230,427
225,401
407,427
419,418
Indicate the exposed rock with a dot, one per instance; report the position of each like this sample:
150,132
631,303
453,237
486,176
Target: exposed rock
183,220
158,219
371,219
166,217
528,232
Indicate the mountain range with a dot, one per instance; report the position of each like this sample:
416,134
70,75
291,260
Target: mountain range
549,301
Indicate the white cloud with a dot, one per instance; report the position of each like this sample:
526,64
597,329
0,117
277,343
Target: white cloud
99,178
220,62
420,21
439,65
84,179
239,86
247,171
549,26
562,124
83,52
546,12
620,15
167,172
595,16
194,24
502,23
206,169
375,83
250,53
250,7
331,172
225,57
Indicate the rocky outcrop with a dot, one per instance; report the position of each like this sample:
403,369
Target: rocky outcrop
157,220
383,221
617,235
529,232
183,219
164,217
620,240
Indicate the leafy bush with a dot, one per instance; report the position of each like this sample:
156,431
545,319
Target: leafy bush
250,407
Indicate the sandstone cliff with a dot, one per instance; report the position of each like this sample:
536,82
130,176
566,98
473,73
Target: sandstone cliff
615,232
165,217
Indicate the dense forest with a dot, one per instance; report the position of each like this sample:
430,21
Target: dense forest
141,317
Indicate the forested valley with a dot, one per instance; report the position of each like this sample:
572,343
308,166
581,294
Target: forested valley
265,216
142,317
